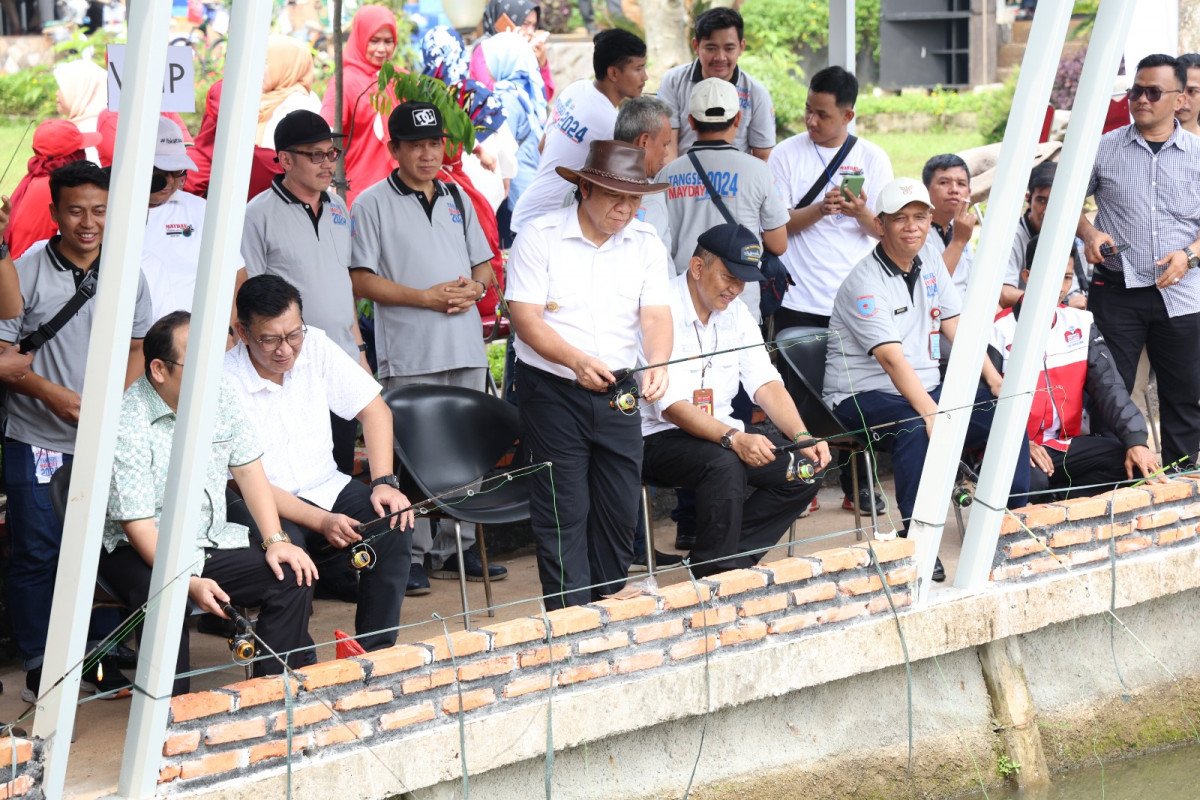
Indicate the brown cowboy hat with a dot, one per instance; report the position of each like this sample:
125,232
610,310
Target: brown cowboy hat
617,166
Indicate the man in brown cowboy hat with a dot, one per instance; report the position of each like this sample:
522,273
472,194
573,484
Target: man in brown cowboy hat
583,282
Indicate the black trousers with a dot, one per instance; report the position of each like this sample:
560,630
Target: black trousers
345,434
1088,460
584,509
1133,318
727,522
283,607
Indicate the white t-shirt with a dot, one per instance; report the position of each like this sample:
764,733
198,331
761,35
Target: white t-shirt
581,113
821,256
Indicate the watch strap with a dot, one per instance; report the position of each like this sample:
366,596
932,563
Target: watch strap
390,480
279,537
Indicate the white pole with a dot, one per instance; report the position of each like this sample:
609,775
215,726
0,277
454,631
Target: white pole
223,221
841,34
112,324
1041,294
970,343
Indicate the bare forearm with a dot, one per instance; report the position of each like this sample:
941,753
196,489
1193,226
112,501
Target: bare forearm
11,303
905,379
381,290
953,254
295,510
774,399
801,218
484,274
376,421
143,537
695,422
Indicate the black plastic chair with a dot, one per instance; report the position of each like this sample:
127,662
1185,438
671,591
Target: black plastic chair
447,437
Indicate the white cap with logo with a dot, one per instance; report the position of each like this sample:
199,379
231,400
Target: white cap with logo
714,100
170,153
899,193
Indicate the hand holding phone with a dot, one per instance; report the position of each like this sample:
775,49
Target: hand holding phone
1108,251
852,186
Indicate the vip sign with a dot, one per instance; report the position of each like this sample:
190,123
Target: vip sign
179,81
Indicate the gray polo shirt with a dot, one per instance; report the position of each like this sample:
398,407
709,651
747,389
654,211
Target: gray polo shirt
48,282
398,235
309,248
757,128
879,303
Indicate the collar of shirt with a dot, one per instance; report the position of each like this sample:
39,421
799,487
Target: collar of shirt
157,406
911,278
572,230
1179,138
243,371
713,145
64,264
401,188
945,234
288,197
698,73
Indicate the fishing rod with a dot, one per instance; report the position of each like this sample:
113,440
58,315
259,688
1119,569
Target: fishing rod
13,157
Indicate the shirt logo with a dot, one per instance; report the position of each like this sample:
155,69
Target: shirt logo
752,253
931,287
180,229
338,217
424,118
455,214
1073,336
866,305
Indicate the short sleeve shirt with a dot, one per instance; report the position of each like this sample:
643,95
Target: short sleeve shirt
935,246
141,458
48,282
439,244
757,129
879,304
591,296
310,249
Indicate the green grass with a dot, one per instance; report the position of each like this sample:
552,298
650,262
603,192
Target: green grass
11,146
910,151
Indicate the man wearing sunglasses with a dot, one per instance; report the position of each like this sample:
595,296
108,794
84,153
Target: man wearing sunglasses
1144,243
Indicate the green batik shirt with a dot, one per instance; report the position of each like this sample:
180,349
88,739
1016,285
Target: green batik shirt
140,462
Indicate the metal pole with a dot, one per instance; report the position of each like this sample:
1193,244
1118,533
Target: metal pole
339,96
841,34
970,343
112,324
1041,295
198,399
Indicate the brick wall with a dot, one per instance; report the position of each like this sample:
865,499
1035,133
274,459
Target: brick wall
25,779
401,691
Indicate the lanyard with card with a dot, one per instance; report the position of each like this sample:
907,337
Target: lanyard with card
45,464
935,336
702,398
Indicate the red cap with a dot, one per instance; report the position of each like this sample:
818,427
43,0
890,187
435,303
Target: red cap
60,137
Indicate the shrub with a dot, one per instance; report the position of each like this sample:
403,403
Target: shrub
785,82
1066,81
29,93
993,117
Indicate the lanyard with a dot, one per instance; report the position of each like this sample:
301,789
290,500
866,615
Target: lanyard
700,344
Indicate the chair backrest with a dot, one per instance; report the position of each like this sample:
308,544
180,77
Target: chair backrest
803,350
448,436
60,486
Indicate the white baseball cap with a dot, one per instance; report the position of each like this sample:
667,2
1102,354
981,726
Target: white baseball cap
899,193
714,100
170,153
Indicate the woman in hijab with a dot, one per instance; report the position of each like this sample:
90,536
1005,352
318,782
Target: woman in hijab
287,86
520,17
263,168
372,43
82,95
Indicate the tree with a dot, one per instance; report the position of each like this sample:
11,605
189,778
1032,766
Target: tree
668,39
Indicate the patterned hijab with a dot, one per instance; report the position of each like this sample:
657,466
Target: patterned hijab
516,10
443,55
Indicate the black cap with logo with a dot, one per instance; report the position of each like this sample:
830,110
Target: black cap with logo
412,121
737,247
302,127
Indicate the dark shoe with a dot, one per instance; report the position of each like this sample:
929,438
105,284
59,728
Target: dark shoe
864,502
474,568
684,541
33,680
660,560
126,657
418,584
103,678
939,572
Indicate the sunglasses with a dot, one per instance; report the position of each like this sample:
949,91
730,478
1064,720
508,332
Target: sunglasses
176,173
319,156
1152,93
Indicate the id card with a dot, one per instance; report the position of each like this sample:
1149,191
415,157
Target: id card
935,345
703,400
45,464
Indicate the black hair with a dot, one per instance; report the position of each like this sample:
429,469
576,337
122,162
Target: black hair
1189,60
718,19
938,163
713,127
1031,250
77,173
160,339
707,256
266,296
1042,176
837,82
613,48
1163,60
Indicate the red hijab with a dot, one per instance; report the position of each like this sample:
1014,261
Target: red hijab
452,172
262,170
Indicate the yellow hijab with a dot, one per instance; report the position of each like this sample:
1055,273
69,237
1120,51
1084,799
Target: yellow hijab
289,71
84,88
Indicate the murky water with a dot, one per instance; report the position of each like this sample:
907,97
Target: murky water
1165,775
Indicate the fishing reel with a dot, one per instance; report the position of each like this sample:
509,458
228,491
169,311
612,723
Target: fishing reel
800,468
241,645
624,400
362,557
963,494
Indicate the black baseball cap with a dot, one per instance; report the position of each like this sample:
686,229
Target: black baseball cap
412,121
302,127
737,247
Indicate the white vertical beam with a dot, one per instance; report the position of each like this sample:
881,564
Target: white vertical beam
112,323
219,245
970,343
841,34
1041,294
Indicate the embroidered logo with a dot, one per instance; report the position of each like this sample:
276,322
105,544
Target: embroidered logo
180,229
866,305
1073,336
337,216
424,118
455,214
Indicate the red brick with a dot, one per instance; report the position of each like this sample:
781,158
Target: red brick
1115,529
1175,535
787,570
165,775
470,700
212,764
1157,519
175,745
391,660
331,673
302,716
737,581
407,716
1078,508
1006,572
544,655
658,630
721,615
257,691
501,665
17,787
841,613
1190,511
236,731
564,621
840,558
1171,490
583,673
746,632
1132,543
516,631
1039,516
623,666
200,704
899,599
764,605
694,647
1040,565
439,677
682,595
1071,536
856,586
465,643
1026,546
792,623
1128,499
342,732
279,749
24,750
1011,523
527,684
1088,556
363,699
628,608
814,593
894,550
598,644
903,575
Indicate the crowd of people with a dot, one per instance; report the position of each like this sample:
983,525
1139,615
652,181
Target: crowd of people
643,231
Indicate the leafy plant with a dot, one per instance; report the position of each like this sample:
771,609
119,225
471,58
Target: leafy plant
993,116
1007,767
1066,80
29,93
783,28
785,82
495,357
396,87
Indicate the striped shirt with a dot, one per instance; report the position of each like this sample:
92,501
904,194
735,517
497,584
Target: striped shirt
1150,201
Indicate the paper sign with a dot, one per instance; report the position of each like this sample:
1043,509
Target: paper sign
179,82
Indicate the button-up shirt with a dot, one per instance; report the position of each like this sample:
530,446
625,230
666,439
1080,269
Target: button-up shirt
1150,201
140,461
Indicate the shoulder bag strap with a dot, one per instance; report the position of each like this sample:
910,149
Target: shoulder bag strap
827,175
716,198
48,330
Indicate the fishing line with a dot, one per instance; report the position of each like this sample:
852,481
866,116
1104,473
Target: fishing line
13,157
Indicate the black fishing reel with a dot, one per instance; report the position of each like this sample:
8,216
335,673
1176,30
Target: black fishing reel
800,468
362,557
241,645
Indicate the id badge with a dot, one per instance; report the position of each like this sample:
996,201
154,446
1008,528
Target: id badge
935,345
45,464
703,400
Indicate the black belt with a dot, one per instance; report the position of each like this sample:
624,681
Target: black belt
557,378
1109,276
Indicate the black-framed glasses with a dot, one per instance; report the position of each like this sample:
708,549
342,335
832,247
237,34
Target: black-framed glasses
171,173
173,363
319,156
273,343
1152,93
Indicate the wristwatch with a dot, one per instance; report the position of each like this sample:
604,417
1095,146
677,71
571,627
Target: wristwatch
279,537
390,480
727,439
3,249
1193,259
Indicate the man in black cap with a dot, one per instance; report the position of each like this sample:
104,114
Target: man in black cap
421,255
692,439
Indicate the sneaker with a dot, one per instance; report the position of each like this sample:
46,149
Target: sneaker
813,506
33,680
103,678
864,502
418,584
474,568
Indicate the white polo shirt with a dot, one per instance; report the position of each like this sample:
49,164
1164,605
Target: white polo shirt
733,327
935,245
591,296
292,418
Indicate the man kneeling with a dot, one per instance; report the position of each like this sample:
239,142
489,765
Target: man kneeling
691,438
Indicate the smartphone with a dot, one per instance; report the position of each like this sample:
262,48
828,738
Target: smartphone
852,186
505,24
1108,251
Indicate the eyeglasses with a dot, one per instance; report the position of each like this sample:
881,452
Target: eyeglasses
173,363
1153,93
273,343
176,173
319,156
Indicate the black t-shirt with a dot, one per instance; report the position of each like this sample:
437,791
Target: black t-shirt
1155,146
